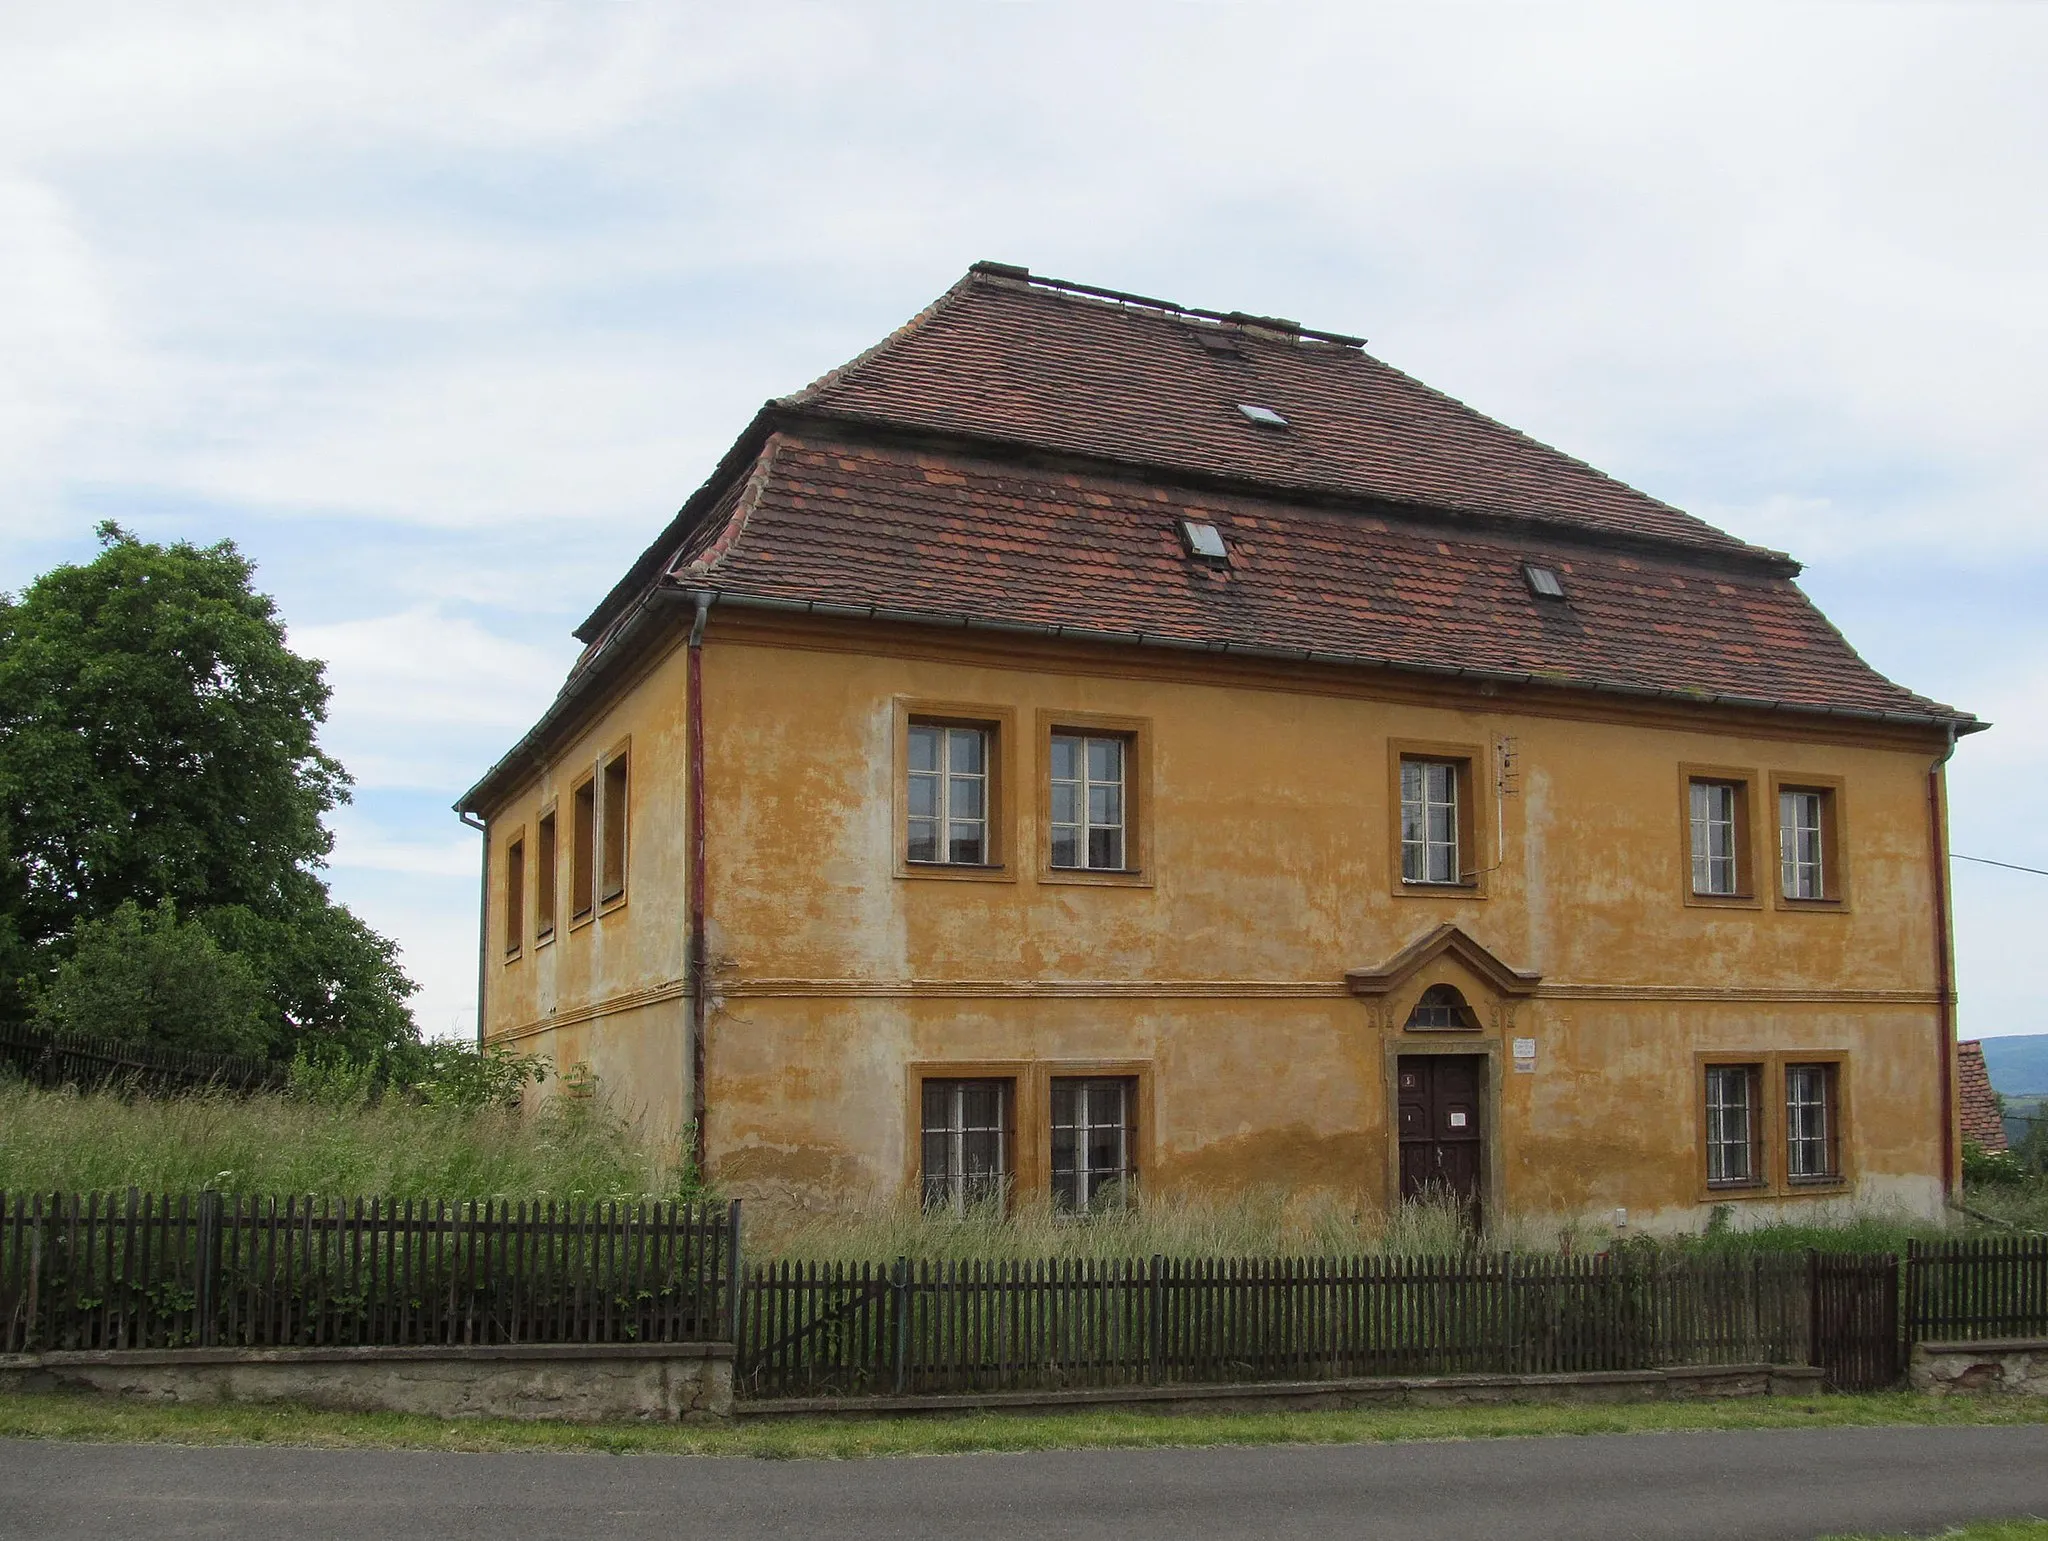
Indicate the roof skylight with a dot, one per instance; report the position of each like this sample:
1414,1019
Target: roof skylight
1204,540
1265,417
1543,581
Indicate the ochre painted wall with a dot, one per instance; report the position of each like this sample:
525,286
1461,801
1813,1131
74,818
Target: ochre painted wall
1219,977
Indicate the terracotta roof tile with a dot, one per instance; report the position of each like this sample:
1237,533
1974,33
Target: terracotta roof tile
1979,1103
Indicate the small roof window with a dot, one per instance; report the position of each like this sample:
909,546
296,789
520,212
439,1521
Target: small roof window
1265,417
1543,581
1204,540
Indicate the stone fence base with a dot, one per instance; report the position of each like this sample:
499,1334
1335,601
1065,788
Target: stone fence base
2015,1366
572,1382
1678,1384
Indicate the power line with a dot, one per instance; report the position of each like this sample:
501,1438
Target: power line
1985,861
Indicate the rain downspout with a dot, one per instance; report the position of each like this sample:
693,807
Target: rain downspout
1944,962
483,920
694,728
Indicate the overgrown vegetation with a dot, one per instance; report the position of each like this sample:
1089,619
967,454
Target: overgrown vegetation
341,1132
71,1417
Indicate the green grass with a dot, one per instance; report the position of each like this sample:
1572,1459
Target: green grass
1984,1530
271,1144
106,1419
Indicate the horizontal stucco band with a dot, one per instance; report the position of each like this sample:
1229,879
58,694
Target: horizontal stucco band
1271,989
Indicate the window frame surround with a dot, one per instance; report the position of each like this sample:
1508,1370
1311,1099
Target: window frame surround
1747,895
1476,835
601,834
585,777
1773,1177
1833,842
999,806
1030,1113
1136,732
512,915
549,885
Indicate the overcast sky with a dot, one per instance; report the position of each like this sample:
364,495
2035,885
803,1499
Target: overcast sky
440,311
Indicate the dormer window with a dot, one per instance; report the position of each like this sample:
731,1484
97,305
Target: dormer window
1264,417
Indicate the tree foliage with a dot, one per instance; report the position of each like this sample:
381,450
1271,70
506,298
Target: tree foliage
146,974
159,742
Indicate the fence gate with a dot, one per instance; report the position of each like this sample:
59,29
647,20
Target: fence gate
1853,1331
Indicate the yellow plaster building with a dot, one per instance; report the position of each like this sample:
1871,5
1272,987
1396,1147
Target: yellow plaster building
1088,745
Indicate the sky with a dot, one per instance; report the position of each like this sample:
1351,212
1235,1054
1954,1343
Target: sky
440,311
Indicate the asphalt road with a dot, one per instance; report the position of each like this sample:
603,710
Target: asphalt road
1794,1484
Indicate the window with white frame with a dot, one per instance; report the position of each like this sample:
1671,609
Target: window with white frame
1429,821
966,1143
1088,802
1716,865
1802,843
948,793
1810,1140
1094,1155
1732,1125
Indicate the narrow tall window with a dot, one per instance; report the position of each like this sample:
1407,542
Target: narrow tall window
582,849
544,857
612,820
515,897
1810,1140
1088,812
1429,821
1802,843
1731,1124
948,791
1094,1164
1715,866
966,1143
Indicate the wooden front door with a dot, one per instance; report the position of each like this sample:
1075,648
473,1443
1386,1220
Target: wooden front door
1443,1140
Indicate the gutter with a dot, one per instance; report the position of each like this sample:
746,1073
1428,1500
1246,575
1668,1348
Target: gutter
1944,963
699,1012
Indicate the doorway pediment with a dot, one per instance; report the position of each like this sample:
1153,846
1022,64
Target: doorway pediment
1445,940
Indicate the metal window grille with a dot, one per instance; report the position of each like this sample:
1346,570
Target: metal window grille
1093,1165
1429,821
948,795
966,1143
1800,844
1809,1123
1088,802
1714,868
1731,1124
1441,1006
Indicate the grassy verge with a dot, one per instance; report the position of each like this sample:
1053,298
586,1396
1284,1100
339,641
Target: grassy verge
1985,1530
103,1419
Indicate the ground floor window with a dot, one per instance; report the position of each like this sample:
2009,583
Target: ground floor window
966,1143
1094,1150
1811,1148
1732,1125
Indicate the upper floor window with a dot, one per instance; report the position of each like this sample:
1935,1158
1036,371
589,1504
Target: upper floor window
613,819
515,896
544,859
1804,836
948,794
1088,803
583,850
1717,837
1430,821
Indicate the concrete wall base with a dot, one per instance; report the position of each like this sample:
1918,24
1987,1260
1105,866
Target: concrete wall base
2007,1366
1682,1384
571,1382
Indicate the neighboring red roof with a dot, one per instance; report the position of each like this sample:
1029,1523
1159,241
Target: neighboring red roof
1019,361
954,536
1982,1124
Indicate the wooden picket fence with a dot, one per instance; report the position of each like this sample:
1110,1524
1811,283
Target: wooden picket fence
1972,1290
53,1060
847,1329
197,1270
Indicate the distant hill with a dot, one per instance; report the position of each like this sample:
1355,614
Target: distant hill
2018,1065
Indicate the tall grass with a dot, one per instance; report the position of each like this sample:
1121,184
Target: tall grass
54,1141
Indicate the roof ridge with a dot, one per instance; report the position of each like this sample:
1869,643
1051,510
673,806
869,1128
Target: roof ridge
831,377
734,527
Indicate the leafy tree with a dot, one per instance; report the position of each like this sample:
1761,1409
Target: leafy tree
146,974
158,741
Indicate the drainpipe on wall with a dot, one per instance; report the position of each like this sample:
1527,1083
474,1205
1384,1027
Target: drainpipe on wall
483,920
1944,960
694,728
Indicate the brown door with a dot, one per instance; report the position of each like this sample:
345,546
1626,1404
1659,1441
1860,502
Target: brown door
1442,1139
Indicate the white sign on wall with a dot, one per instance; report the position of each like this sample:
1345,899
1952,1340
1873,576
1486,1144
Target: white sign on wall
1525,1056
